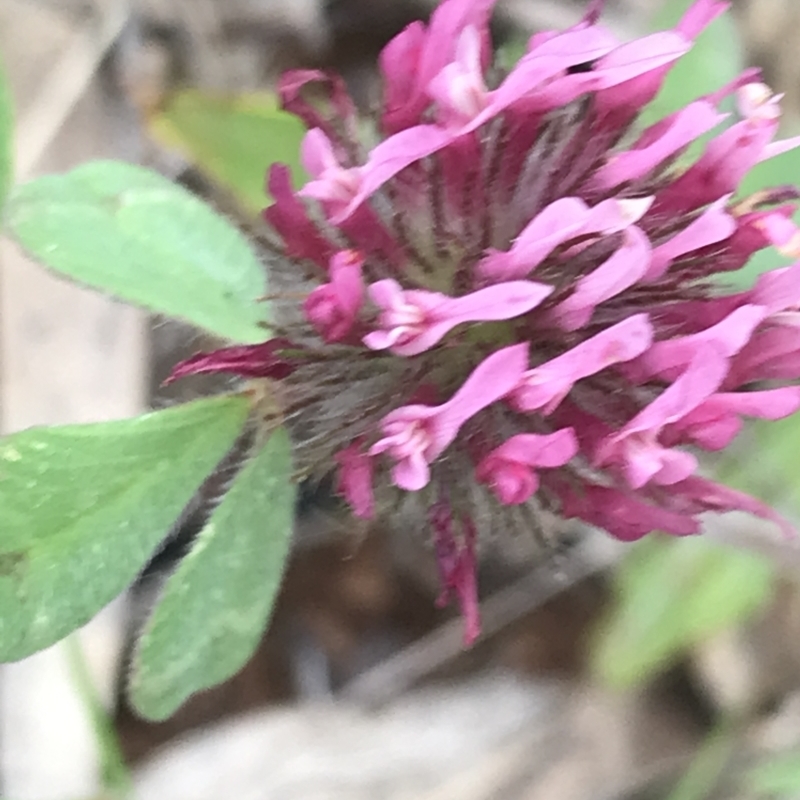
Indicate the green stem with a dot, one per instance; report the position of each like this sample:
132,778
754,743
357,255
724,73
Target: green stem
116,777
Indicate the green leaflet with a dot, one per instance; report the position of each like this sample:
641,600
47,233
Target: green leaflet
215,606
671,594
128,231
83,507
233,140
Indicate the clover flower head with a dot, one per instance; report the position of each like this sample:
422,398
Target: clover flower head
512,295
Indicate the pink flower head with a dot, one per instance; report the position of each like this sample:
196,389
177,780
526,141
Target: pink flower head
514,283
416,435
413,321
508,469
332,308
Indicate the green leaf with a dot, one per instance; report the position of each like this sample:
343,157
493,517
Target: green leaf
83,507
778,777
233,140
133,233
6,139
672,593
215,606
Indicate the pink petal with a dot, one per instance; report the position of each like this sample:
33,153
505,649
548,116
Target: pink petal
781,231
667,358
417,55
633,59
557,223
459,89
512,482
411,473
290,88
778,289
635,448
507,469
316,153
355,480
622,102
386,293
412,333
497,302
447,21
715,422
345,272
490,381
725,161
301,237
623,515
779,148
712,226
630,84
391,156
539,450
703,376
457,568
627,266
656,145
766,404
546,61
710,496
699,16
614,215
560,221
548,384
398,62
772,354
333,307
415,435
267,360
757,230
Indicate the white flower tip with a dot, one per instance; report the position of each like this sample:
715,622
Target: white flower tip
791,247
633,209
756,101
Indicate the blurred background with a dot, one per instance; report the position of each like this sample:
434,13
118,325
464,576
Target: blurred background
668,669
